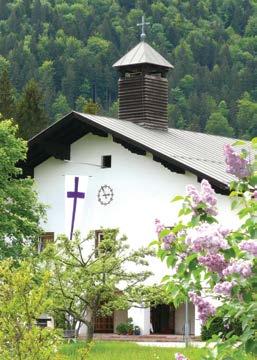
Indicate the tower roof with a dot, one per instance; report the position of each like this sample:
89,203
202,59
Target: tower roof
143,53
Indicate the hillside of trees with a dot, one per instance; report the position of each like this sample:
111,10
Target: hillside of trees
56,55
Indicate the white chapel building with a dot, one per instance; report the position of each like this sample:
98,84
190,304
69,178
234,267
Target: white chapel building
122,173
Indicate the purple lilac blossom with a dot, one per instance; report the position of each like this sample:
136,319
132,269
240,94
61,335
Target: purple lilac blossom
236,165
206,237
255,194
194,194
240,267
250,246
207,196
214,262
158,226
224,288
168,240
208,192
205,308
179,356
224,231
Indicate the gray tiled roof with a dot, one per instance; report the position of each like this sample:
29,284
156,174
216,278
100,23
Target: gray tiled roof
198,152
141,54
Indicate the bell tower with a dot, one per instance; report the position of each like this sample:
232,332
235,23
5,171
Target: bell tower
143,86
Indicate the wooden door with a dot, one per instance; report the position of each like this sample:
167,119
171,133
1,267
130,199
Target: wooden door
104,324
163,319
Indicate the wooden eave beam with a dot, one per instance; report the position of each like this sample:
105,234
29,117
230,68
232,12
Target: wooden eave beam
169,165
55,149
129,146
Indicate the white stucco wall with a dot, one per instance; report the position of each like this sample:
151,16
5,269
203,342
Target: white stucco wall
142,189
119,316
141,318
180,319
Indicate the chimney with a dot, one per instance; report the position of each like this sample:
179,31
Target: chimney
143,87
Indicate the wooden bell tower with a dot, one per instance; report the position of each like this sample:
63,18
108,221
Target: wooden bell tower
143,86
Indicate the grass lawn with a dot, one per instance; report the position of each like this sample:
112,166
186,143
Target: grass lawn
111,350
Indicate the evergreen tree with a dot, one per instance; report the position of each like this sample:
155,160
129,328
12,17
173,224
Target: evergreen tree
91,107
247,116
217,124
70,45
80,103
31,115
46,76
7,105
60,107
3,9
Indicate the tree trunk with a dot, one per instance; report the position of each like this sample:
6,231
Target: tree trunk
90,330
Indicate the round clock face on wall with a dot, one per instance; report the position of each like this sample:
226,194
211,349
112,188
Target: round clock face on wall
105,195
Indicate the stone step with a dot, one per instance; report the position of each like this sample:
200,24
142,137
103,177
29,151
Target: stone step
143,338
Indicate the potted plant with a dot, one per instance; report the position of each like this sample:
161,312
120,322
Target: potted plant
122,329
137,330
130,326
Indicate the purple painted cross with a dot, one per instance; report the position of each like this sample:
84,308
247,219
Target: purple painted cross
75,195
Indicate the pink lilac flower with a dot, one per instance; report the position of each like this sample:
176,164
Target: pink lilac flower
158,226
168,240
250,246
240,267
206,237
205,308
194,194
224,231
255,194
206,195
214,262
179,356
224,288
236,165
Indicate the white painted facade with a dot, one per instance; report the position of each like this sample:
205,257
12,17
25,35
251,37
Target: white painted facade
142,190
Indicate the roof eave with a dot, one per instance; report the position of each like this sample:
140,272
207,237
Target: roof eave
37,139
117,65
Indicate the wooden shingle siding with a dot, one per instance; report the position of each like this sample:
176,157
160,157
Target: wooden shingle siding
143,99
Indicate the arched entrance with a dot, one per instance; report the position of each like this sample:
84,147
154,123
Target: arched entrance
163,319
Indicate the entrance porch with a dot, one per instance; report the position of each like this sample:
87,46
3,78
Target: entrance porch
160,320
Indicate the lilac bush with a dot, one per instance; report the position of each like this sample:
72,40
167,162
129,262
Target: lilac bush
203,199
236,163
205,308
198,247
224,288
206,237
250,246
214,262
238,267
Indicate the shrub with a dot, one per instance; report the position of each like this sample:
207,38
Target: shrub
125,328
216,327
122,329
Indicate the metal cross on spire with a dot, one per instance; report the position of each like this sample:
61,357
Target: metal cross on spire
143,24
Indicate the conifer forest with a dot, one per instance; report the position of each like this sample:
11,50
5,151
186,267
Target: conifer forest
57,55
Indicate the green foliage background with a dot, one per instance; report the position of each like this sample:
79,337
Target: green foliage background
69,47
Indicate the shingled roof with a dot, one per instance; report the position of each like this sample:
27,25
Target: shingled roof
143,53
179,150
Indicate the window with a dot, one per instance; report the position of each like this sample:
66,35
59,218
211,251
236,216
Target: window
106,161
45,239
42,322
98,238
